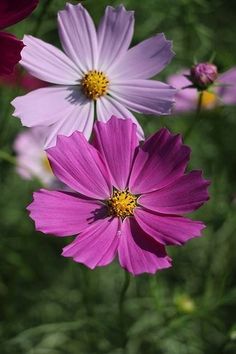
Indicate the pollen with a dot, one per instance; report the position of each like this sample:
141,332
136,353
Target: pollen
209,99
122,204
94,84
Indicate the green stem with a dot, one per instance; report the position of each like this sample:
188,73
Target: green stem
7,157
123,323
197,117
123,291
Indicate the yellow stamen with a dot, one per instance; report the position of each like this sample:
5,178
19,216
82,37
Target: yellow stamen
46,164
122,204
94,84
209,99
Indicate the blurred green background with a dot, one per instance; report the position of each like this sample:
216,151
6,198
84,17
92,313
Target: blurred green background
50,305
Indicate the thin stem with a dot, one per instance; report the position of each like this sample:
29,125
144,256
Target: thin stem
123,323
123,291
7,157
197,117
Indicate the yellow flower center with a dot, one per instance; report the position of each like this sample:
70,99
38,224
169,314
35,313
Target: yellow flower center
122,204
209,99
46,164
94,84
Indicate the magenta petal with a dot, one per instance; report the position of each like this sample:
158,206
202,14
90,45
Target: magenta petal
115,33
145,59
144,96
168,230
79,165
10,49
107,106
78,36
96,246
13,11
118,151
182,196
227,92
63,213
159,161
138,253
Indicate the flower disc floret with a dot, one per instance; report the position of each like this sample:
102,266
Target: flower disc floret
94,84
122,204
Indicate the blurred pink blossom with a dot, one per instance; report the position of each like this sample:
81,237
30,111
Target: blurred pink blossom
223,92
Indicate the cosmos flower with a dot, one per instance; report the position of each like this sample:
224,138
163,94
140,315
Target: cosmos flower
223,92
98,75
128,200
11,12
32,161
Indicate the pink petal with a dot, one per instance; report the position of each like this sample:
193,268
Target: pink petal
185,99
31,157
46,106
63,213
145,59
78,36
118,152
10,49
168,230
48,63
144,96
139,253
115,33
13,11
227,93
96,246
79,165
80,118
184,195
159,161
107,106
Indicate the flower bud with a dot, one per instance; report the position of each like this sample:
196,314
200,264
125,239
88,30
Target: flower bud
203,75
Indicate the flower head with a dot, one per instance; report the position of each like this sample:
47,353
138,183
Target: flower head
203,75
98,72
223,91
12,12
128,200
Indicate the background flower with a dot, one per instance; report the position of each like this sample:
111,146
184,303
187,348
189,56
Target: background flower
128,201
224,91
24,80
12,12
32,161
97,67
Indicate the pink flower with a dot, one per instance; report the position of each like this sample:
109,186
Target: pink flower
97,67
129,200
224,91
32,161
11,12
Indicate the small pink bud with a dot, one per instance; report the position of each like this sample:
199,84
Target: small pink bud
203,75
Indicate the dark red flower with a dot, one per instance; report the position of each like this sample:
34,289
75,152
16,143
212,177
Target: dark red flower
12,12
